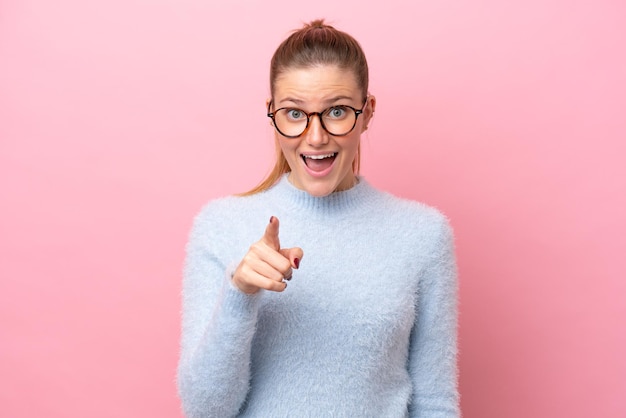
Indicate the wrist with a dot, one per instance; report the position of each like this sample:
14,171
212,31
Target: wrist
242,287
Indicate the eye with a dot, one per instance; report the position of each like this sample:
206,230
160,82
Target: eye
295,114
337,112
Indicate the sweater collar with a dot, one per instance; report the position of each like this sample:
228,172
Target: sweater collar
345,200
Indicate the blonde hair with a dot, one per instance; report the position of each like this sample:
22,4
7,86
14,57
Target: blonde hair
314,44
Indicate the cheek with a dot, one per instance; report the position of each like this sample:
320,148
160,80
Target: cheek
354,143
287,148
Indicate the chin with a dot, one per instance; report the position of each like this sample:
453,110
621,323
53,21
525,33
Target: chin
319,190
317,187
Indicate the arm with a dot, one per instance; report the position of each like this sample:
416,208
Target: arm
433,350
220,307
217,330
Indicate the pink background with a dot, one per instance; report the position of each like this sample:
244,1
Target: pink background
119,119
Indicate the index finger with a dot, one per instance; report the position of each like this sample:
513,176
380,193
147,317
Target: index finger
270,238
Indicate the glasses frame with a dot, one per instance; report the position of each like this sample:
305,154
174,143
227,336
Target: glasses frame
271,115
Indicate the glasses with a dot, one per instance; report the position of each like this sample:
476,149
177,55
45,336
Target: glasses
336,120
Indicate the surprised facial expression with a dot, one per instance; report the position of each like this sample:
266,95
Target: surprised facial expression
321,163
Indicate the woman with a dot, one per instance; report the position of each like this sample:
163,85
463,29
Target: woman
344,302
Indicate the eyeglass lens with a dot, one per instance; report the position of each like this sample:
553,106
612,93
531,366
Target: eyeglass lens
337,120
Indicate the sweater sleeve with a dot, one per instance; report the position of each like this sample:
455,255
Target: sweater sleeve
433,349
217,329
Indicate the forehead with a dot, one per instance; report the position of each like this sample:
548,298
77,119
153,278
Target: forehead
316,84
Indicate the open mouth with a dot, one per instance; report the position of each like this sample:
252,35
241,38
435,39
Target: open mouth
319,163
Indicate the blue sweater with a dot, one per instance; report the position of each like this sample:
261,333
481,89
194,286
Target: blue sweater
366,327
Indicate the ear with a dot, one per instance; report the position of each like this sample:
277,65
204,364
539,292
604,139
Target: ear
267,104
369,110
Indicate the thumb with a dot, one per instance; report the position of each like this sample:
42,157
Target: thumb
270,238
294,255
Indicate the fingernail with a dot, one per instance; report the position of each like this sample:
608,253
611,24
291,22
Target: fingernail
272,219
296,262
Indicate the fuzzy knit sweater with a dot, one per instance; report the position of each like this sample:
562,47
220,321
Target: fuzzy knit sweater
366,327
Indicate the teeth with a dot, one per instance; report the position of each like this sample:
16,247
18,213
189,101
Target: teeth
319,157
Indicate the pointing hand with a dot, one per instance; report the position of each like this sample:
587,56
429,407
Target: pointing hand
267,265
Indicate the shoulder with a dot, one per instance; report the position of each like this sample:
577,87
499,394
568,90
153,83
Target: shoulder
226,216
411,212
222,208
413,222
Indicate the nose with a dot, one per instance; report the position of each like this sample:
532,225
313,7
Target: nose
316,135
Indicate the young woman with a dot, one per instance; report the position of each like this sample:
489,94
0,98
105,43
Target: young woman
315,294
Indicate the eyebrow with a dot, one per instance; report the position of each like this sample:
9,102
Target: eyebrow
330,101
